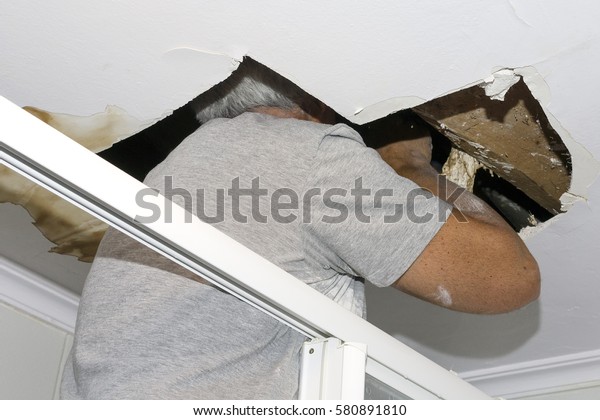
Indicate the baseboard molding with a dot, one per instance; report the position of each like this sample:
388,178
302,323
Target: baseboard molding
37,296
538,376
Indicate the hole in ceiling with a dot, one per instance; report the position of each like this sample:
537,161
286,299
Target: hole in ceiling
139,153
518,209
512,138
526,165
505,152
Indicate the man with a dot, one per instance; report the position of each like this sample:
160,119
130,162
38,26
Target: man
149,329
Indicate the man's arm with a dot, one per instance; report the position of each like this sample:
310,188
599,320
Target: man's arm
476,262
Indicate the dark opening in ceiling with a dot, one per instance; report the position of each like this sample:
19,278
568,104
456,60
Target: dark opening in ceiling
527,166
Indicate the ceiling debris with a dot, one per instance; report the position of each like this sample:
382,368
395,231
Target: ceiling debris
512,137
461,169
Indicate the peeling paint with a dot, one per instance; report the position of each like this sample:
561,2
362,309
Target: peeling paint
379,109
531,231
536,84
532,220
497,85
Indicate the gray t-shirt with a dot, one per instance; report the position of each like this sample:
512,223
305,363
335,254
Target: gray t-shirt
311,198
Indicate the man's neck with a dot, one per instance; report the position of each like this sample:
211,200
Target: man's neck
296,113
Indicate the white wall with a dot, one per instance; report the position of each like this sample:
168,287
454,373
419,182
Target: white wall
32,355
37,319
23,243
585,391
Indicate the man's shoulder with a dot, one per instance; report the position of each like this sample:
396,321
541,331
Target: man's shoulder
288,126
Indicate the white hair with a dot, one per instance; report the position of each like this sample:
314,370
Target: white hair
251,86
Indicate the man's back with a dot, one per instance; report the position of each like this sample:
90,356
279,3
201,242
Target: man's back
147,330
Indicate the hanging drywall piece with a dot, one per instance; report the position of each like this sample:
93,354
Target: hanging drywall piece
73,231
497,85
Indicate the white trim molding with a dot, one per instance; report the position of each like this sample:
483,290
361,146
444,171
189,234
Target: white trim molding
37,296
537,376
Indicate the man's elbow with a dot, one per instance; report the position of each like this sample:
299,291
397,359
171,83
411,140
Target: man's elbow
531,280
520,285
